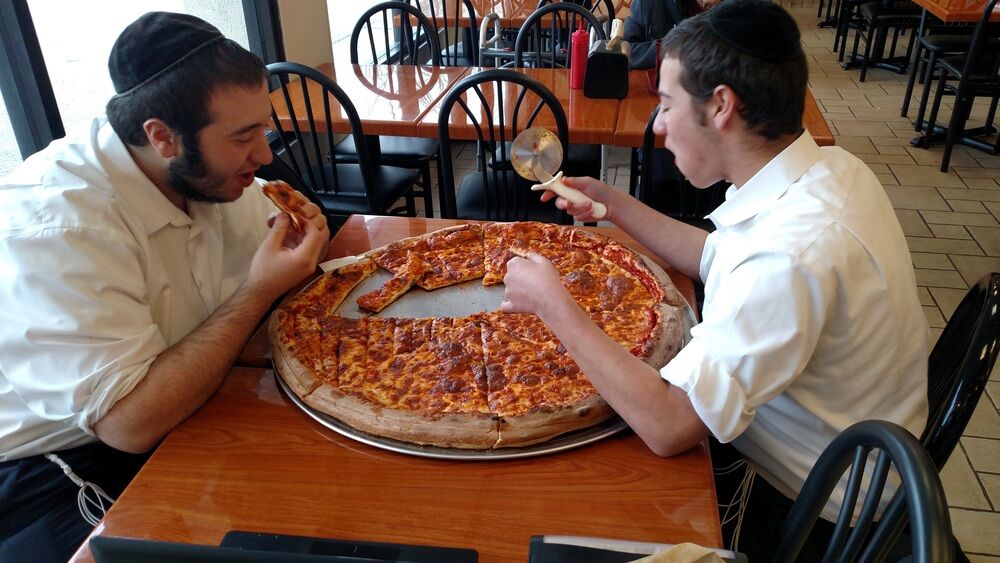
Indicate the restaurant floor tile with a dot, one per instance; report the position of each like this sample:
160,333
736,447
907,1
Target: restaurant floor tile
952,222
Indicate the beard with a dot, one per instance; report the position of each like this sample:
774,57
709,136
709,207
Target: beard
190,176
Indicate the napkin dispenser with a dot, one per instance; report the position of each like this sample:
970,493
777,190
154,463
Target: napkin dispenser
607,66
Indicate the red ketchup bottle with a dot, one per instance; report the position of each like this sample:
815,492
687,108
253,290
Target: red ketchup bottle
578,57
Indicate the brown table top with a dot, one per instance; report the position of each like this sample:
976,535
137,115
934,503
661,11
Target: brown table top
636,107
251,460
405,100
590,120
389,99
958,11
363,232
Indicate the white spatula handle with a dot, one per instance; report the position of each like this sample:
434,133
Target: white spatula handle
576,197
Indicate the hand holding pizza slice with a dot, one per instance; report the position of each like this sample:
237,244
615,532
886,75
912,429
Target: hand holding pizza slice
286,199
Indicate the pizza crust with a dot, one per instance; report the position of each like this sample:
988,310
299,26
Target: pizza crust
297,375
447,430
543,424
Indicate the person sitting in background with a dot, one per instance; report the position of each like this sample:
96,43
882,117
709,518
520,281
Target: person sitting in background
138,261
651,20
811,320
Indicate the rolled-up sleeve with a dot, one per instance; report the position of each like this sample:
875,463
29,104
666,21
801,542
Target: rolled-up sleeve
761,325
76,329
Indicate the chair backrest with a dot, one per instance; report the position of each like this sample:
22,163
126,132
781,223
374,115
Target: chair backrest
543,40
927,509
673,195
960,365
603,9
306,139
492,107
460,42
395,32
979,48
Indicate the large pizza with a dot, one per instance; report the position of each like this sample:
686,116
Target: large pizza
486,380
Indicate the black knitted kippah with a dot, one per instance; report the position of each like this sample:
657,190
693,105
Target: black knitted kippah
154,44
758,27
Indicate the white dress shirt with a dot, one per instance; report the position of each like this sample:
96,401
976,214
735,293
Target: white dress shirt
100,273
811,315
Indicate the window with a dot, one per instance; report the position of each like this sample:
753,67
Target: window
53,58
76,39
343,17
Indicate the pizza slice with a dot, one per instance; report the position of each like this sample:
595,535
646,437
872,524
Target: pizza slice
503,241
536,388
461,251
417,384
401,282
286,199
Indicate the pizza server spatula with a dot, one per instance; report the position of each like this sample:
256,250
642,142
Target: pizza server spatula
536,154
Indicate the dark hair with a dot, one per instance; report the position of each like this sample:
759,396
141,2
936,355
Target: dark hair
181,96
773,93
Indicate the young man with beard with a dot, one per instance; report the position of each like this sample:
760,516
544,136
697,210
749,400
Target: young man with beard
811,319
137,260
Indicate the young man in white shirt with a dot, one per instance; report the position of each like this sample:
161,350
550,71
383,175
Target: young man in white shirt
138,258
811,319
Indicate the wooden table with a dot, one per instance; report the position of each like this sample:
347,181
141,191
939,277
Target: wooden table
635,109
389,99
958,11
363,232
405,100
251,460
590,120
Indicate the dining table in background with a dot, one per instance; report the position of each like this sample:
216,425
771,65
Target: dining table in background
405,100
389,99
251,460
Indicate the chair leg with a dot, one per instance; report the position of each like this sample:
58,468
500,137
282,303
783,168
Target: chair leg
959,115
425,179
873,36
935,107
928,80
633,180
911,81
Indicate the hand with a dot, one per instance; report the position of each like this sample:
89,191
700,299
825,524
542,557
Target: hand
276,267
594,189
309,212
531,283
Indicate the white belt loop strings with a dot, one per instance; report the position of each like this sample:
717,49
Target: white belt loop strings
738,504
90,499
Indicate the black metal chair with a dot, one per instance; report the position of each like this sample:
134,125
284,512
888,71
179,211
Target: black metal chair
920,493
976,76
604,10
938,42
878,18
498,104
407,37
543,42
960,366
658,183
341,188
460,42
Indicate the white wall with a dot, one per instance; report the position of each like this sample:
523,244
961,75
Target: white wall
306,29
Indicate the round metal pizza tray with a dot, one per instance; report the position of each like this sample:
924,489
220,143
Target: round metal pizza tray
566,441
457,300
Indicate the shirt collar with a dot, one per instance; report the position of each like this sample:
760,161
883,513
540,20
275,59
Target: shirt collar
768,184
147,201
